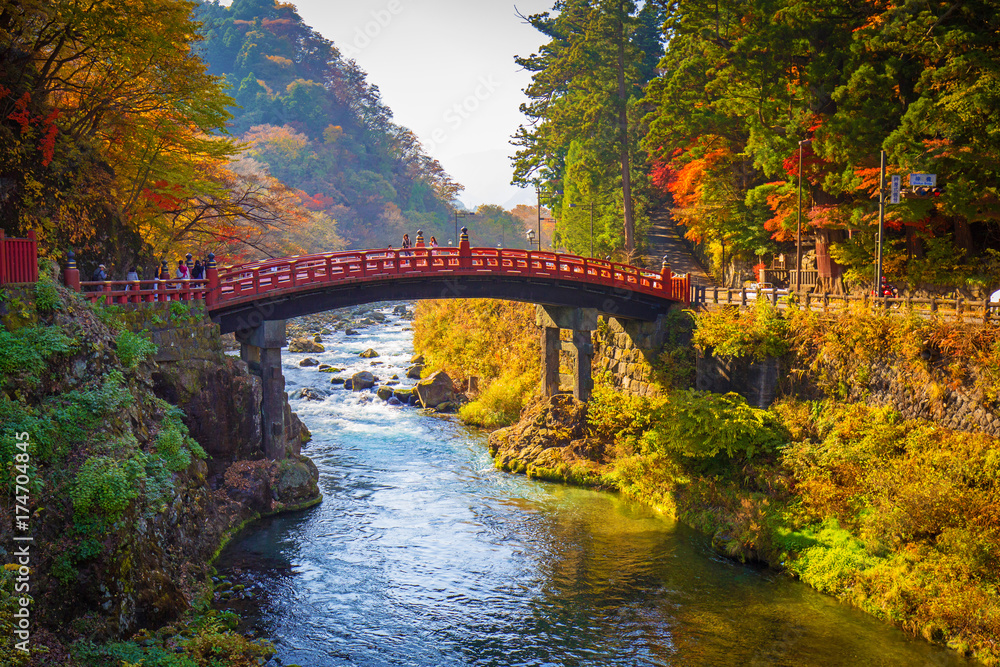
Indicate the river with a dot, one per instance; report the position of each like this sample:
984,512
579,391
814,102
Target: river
422,554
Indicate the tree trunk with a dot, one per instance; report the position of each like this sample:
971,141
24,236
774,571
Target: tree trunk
623,138
963,235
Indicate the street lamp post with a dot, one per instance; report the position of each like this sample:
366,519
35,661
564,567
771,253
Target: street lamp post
531,238
881,225
798,225
462,214
538,194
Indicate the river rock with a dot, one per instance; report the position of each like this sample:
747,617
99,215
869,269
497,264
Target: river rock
337,380
417,359
384,392
378,317
351,332
413,372
435,389
310,394
348,384
309,361
317,338
305,345
362,380
447,406
394,401
391,383
323,367
329,369
403,394
295,481
550,439
399,310
369,354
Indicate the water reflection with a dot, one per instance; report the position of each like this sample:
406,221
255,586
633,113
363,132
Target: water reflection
422,554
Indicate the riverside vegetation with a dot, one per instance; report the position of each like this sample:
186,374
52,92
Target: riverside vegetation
123,521
895,516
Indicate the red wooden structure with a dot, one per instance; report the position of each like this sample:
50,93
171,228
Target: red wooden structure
287,275
18,259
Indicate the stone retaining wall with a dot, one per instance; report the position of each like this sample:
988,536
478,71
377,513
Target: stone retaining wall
627,350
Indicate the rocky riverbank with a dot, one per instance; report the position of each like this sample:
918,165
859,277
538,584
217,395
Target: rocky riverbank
144,458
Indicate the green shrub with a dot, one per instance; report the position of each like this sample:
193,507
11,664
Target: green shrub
500,404
24,352
758,333
701,425
133,348
47,298
173,444
618,416
105,485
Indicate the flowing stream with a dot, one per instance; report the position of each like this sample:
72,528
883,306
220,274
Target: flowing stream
422,554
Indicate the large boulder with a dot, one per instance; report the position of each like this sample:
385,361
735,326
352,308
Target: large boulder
362,380
369,354
413,372
305,345
295,482
309,361
310,394
385,393
435,389
417,359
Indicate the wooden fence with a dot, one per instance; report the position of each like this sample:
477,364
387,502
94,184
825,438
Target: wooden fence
18,259
958,309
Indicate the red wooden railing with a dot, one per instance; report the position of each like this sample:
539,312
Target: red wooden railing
120,292
277,277
18,259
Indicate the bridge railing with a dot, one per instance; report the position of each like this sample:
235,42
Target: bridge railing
121,292
259,278
277,276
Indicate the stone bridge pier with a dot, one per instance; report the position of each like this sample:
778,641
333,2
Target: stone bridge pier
581,321
260,348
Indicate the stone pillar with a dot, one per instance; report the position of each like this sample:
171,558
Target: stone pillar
261,347
583,379
550,361
581,321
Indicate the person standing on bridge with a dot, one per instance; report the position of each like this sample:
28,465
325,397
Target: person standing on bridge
197,271
406,245
434,242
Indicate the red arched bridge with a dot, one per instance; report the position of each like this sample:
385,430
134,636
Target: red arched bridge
244,296
254,300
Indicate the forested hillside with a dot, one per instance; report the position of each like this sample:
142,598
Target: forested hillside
319,126
714,131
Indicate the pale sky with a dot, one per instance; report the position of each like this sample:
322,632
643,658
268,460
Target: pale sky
446,70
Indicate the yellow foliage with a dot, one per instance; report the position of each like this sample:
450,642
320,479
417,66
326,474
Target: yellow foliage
494,341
